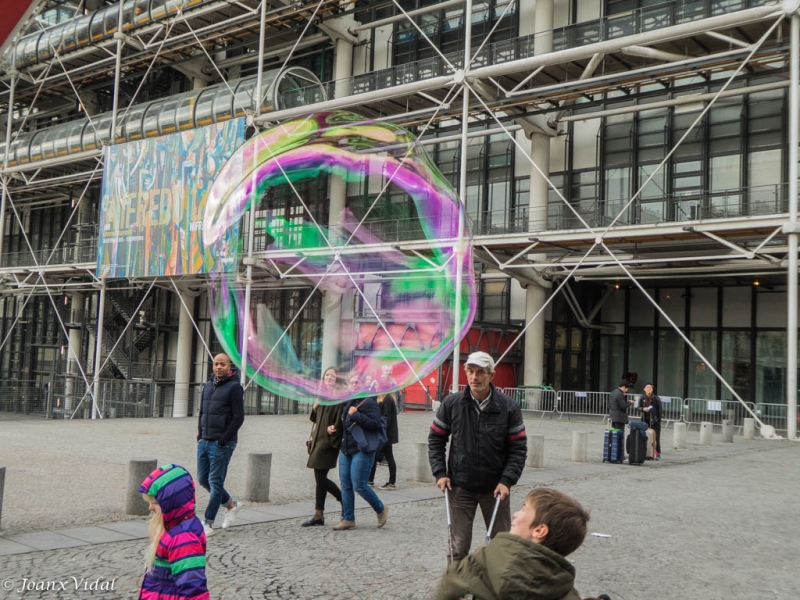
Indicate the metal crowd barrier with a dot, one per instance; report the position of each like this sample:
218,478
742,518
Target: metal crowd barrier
534,399
698,410
588,403
773,414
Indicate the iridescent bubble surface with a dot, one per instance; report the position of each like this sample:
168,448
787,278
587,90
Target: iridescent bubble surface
390,310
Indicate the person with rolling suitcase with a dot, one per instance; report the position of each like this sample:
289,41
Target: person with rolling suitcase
649,404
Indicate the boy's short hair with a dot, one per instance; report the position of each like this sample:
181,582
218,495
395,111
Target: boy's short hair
565,519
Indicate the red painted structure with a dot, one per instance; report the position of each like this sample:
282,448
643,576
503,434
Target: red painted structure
12,11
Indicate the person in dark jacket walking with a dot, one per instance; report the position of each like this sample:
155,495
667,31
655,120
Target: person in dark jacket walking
221,415
488,448
389,412
361,427
649,404
326,437
618,405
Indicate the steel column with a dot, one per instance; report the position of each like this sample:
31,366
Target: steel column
6,152
98,347
791,276
458,248
120,37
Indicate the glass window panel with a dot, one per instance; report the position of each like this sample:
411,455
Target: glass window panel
771,308
735,368
641,309
702,382
771,367
725,172
656,187
670,363
640,354
736,306
703,306
673,302
764,171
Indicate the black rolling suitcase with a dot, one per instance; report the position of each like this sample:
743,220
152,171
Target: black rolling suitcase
612,445
637,443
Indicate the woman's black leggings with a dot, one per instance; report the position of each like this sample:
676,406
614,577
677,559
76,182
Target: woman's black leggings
389,455
325,485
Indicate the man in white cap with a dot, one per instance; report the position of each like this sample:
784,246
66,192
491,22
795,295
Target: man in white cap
488,448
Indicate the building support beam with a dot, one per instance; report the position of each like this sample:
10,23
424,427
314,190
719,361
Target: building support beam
332,299
792,233
183,360
536,295
9,124
458,247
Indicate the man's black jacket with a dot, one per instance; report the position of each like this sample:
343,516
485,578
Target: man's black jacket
487,447
221,409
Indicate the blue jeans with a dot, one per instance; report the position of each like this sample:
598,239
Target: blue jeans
212,467
353,473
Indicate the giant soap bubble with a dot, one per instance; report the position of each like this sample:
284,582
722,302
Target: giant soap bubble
384,306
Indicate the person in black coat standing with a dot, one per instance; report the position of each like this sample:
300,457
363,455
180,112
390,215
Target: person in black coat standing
618,405
389,411
221,415
649,405
488,447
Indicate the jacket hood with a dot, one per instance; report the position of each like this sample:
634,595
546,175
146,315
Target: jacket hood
173,488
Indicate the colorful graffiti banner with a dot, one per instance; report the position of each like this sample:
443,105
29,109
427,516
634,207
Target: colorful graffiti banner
154,196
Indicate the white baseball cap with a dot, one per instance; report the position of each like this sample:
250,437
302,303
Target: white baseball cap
480,359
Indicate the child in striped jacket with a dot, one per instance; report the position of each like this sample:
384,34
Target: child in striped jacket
176,559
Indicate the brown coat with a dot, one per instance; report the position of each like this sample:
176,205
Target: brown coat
325,447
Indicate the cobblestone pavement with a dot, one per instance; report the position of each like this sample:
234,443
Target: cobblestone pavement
705,523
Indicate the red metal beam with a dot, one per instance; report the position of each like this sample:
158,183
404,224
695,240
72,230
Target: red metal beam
11,11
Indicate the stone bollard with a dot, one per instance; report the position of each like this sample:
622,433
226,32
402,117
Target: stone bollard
679,436
259,471
706,431
535,451
138,470
727,431
2,489
423,467
749,428
580,444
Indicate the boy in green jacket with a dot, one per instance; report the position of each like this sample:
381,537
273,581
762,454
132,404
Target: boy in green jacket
528,562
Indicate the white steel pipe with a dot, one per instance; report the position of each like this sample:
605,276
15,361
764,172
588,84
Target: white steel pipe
260,77
687,99
791,276
120,37
458,249
6,152
98,347
654,53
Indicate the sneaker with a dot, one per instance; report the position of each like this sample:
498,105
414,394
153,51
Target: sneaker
388,486
230,514
207,528
383,516
371,483
344,525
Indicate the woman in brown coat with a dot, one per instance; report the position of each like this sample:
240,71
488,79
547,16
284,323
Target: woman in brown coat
326,437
